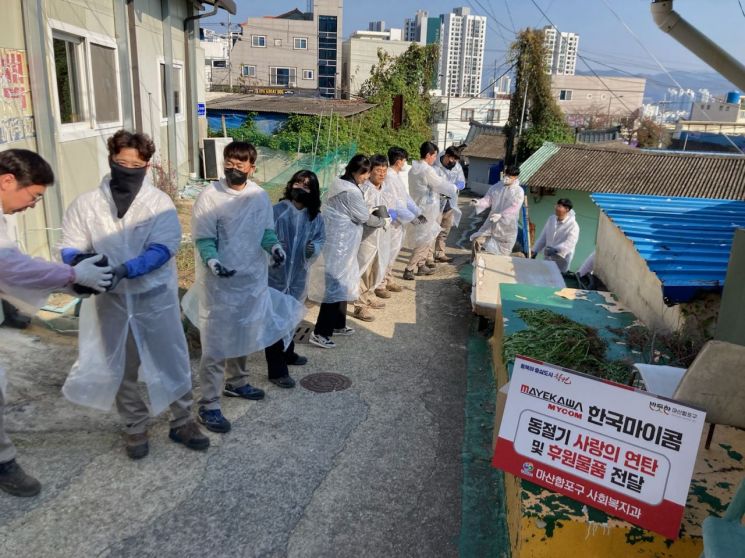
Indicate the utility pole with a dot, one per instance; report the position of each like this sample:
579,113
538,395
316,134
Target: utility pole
230,60
447,116
525,103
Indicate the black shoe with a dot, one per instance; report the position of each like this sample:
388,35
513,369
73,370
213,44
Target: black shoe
190,435
283,382
246,392
137,445
299,361
213,420
408,275
14,480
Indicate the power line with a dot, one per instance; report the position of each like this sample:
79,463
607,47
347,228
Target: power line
509,13
741,8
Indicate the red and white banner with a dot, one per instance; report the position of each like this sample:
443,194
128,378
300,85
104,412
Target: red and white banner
626,452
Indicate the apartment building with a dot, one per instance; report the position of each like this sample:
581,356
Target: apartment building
562,49
462,46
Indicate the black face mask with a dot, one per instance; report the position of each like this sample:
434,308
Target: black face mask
234,177
125,184
301,196
449,166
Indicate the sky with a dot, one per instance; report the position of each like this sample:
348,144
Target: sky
602,36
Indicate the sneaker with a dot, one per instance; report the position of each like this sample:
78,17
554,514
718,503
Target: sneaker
299,361
136,445
190,435
393,287
283,382
213,420
424,270
382,293
408,275
344,331
246,392
442,258
363,314
321,341
14,480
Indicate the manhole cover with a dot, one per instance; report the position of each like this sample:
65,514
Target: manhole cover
325,382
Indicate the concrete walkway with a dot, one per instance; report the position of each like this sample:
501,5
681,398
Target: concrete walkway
374,470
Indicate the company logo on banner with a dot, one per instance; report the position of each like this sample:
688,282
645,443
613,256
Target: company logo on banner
628,453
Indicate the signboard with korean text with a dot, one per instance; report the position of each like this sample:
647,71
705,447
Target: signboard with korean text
201,109
16,112
623,451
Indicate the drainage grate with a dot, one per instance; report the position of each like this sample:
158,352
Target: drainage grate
325,382
303,332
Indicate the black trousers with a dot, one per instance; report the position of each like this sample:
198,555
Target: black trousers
276,362
333,315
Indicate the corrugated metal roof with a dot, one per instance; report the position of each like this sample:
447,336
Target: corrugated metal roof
533,163
634,171
686,242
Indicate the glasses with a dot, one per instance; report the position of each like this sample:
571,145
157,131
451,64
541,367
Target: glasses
35,198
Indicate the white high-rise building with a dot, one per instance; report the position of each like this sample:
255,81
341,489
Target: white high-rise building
562,48
462,53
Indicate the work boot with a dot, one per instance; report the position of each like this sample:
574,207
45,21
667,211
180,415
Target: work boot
190,435
393,287
424,270
442,258
299,360
430,263
376,304
283,381
382,293
362,313
137,445
16,481
408,275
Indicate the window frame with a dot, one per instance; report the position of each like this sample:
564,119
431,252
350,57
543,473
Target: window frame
249,75
464,112
565,94
491,113
179,116
296,39
273,76
89,126
254,44
312,74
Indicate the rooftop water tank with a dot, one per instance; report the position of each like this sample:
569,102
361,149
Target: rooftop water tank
733,97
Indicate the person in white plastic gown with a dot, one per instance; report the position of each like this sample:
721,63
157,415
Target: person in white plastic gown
335,276
401,209
448,165
375,246
559,236
504,200
27,281
300,229
134,330
239,314
425,186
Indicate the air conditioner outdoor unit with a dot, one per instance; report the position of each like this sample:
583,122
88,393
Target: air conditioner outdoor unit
212,154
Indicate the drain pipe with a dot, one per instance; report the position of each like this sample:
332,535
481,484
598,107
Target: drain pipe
670,21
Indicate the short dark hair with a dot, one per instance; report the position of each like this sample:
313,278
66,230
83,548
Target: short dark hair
453,152
357,164
378,161
427,148
27,167
311,181
512,170
566,202
240,150
125,139
395,154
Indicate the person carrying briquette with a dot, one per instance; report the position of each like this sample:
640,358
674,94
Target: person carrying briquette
335,276
425,185
448,165
133,331
559,236
299,226
375,246
27,282
238,313
504,200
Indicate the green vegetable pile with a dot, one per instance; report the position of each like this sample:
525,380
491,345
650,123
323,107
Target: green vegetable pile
556,339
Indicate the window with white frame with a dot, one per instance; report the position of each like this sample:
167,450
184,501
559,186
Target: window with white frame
86,78
492,115
565,95
258,41
466,115
308,74
301,43
286,77
176,83
248,71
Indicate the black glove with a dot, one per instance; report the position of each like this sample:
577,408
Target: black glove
77,258
218,269
118,273
381,212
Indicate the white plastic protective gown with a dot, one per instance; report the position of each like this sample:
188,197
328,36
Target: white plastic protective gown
238,315
294,232
335,276
506,201
425,187
562,236
376,242
454,176
395,196
148,304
